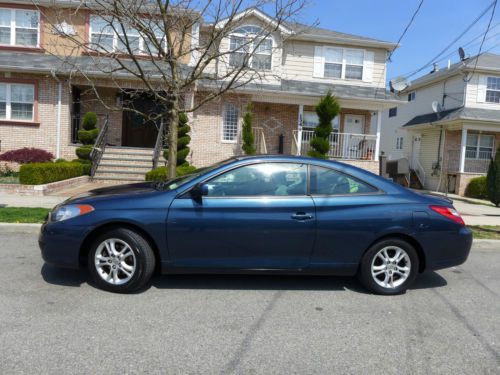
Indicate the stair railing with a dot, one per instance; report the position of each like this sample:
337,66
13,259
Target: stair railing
159,144
99,147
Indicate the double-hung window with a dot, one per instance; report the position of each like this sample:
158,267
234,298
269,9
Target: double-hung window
479,146
230,123
354,64
248,48
343,63
17,101
107,36
19,27
333,62
493,90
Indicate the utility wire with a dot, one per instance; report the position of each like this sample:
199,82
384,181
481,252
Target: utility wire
406,29
476,20
482,42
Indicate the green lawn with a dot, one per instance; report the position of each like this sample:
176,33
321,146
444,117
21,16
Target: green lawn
23,214
489,232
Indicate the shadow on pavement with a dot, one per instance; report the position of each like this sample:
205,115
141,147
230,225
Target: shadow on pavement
76,278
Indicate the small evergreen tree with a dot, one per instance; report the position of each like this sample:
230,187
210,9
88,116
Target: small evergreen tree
493,180
87,137
248,138
327,109
182,140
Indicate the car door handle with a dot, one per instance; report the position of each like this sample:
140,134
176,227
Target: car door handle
302,216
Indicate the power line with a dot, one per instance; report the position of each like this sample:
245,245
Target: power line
406,29
454,40
482,42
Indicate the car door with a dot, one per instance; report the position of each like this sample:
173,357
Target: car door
256,216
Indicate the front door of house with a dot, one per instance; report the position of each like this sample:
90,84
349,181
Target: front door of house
353,126
415,150
137,130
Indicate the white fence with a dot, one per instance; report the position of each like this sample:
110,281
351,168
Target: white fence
342,145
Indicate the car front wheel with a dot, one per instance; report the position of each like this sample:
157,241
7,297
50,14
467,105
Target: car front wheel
121,261
389,267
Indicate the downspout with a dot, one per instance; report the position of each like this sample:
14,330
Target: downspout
58,117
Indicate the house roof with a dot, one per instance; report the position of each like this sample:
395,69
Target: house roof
485,62
460,113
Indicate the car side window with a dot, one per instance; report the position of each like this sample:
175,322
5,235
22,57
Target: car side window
263,179
326,181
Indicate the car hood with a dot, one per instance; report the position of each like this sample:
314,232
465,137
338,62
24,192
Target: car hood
116,191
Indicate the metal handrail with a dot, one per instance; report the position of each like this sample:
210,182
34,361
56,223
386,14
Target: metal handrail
158,144
99,147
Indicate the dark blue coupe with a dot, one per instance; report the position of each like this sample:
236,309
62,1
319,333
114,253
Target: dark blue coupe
258,214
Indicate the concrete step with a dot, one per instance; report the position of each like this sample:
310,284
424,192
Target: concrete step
129,150
129,167
101,171
122,179
123,160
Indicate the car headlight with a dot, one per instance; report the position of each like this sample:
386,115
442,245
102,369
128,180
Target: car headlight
69,211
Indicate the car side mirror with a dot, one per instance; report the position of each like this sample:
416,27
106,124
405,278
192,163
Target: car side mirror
198,191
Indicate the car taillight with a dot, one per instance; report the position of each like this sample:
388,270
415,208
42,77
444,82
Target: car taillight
448,212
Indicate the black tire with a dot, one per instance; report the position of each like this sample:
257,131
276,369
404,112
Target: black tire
143,259
365,269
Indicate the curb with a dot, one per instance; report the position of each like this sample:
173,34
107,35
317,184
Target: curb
19,228
484,240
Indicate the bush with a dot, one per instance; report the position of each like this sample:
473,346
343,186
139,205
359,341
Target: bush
493,180
327,109
160,174
87,137
248,138
27,155
477,188
86,164
43,173
84,152
183,140
60,160
89,121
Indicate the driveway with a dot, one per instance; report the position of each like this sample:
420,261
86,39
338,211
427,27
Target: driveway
52,321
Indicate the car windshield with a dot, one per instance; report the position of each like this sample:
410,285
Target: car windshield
174,183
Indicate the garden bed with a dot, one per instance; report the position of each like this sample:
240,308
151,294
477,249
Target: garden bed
44,189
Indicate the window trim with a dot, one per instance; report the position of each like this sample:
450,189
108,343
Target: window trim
34,120
478,146
17,47
251,46
412,96
142,41
237,124
494,90
344,63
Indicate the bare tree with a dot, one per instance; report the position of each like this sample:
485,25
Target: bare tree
174,47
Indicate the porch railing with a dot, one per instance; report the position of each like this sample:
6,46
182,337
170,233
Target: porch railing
342,145
473,163
259,140
99,147
159,144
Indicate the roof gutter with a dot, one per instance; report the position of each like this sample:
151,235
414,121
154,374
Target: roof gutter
358,42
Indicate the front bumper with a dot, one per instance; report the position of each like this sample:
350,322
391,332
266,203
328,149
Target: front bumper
60,244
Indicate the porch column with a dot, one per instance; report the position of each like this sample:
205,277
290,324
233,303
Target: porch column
377,141
299,125
463,149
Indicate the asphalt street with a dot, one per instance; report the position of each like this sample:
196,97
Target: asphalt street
53,321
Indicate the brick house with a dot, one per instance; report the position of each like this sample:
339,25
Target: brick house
448,147
41,99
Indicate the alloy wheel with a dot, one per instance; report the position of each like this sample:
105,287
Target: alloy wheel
115,261
391,266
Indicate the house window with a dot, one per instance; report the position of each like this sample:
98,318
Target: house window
354,64
393,112
493,90
310,120
19,27
110,37
17,101
230,123
411,96
244,42
479,146
333,62
399,143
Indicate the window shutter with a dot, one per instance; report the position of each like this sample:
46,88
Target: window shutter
481,89
319,62
368,66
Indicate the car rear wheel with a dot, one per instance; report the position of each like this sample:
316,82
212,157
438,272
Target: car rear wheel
389,267
121,261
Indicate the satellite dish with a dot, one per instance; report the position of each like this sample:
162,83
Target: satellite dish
398,84
436,107
461,53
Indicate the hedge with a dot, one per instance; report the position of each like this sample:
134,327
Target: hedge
160,174
477,188
43,173
86,164
84,152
